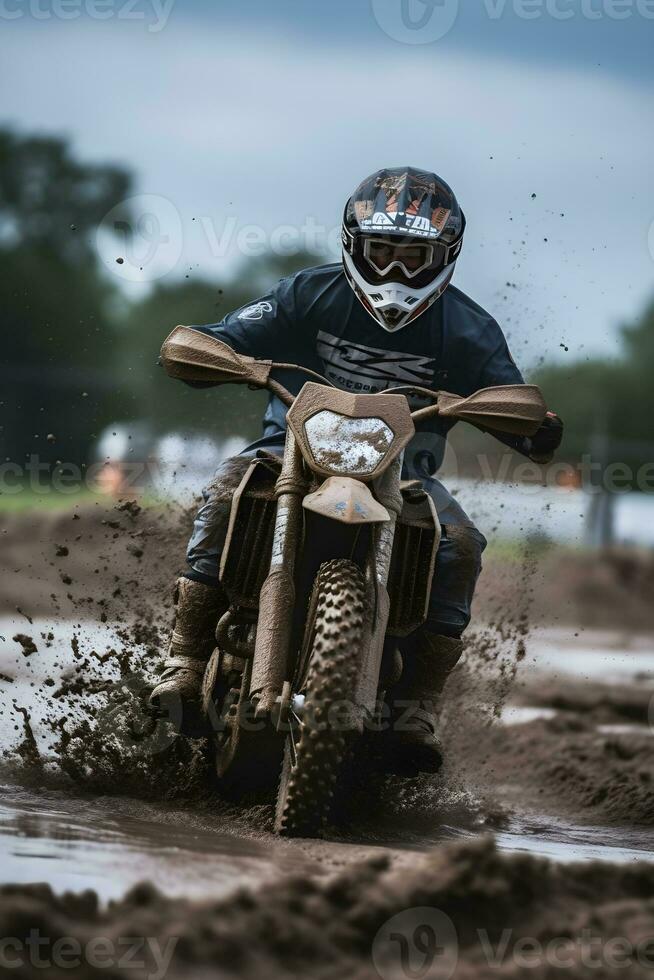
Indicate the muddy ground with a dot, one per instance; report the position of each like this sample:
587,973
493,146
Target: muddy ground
89,558
581,756
515,916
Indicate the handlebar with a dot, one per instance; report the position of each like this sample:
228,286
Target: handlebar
287,398
193,355
278,389
279,366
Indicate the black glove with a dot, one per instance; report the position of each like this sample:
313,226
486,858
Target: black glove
545,442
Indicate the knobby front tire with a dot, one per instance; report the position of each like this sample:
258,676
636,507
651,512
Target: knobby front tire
314,759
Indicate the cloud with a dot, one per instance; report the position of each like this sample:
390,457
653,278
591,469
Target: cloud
263,132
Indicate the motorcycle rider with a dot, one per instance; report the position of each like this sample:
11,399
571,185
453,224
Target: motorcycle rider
386,316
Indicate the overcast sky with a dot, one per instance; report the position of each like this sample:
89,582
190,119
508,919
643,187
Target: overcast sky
236,114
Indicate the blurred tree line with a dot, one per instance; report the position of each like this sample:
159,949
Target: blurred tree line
608,405
76,355
56,334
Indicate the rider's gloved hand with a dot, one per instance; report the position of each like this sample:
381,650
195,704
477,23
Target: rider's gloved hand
545,442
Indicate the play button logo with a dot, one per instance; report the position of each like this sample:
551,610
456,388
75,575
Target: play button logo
416,21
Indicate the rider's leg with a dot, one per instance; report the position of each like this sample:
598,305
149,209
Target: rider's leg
200,602
431,655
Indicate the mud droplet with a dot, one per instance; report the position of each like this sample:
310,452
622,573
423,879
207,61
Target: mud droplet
27,643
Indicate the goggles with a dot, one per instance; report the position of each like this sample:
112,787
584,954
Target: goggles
383,255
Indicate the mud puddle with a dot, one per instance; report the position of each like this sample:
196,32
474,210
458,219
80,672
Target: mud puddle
77,844
597,655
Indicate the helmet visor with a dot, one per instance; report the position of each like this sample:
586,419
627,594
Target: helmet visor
383,255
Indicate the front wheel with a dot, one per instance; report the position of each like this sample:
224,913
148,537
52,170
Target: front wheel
320,734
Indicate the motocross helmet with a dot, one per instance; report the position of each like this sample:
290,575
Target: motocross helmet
402,234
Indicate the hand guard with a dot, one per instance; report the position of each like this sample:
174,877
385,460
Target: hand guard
547,440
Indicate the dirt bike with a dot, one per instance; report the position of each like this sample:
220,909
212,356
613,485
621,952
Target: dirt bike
328,554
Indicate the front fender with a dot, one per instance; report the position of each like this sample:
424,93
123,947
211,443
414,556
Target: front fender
349,501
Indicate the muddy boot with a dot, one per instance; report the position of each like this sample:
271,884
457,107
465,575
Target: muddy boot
178,693
412,745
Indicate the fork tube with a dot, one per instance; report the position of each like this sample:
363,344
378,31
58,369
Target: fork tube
270,667
388,493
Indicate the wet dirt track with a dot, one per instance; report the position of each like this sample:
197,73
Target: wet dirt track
550,752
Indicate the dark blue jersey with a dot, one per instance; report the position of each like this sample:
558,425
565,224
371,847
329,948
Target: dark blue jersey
314,319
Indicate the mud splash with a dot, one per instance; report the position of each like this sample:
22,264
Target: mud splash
92,735
92,698
91,729
97,739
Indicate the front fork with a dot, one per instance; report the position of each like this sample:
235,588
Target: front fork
271,664
388,493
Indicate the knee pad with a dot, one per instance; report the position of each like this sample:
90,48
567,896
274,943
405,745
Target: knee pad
211,522
458,565
229,474
463,547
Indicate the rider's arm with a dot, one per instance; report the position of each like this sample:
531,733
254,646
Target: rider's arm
261,329
501,369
